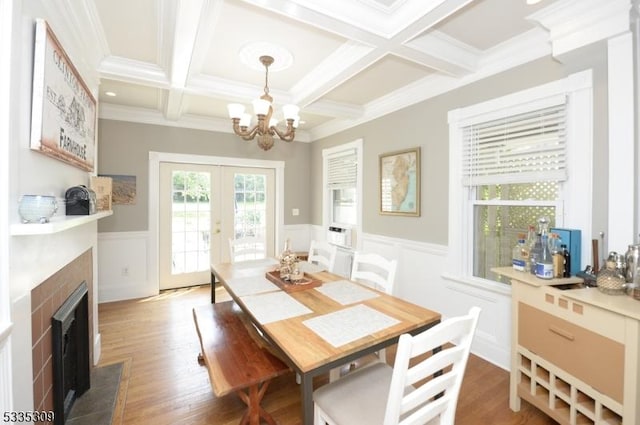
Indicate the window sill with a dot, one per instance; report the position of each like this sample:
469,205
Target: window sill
57,224
478,283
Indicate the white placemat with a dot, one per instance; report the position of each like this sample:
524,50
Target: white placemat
347,325
308,267
242,286
273,306
346,292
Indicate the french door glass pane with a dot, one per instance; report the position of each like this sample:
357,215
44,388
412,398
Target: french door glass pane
190,224
496,227
250,205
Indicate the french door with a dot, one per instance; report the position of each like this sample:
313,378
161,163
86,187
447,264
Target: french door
201,207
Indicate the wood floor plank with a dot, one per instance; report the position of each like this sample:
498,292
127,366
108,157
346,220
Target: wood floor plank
166,385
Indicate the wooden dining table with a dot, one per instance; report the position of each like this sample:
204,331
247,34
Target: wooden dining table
322,325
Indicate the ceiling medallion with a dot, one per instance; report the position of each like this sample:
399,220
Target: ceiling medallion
266,127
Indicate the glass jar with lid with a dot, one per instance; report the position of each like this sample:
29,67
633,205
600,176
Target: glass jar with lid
611,279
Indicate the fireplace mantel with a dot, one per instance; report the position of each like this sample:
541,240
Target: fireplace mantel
57,224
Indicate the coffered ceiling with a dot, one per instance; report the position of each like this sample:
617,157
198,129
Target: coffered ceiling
342,61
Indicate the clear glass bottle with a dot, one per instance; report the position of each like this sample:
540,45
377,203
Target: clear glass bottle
544,260
544,264
528,247
535,252
518,262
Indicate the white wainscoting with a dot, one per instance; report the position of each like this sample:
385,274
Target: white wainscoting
299,235
123,266
419,279
6,399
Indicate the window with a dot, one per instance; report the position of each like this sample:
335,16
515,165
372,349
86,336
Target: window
342,180
510,163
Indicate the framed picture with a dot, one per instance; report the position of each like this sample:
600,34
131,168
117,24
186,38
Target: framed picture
123,189
63,111
400,182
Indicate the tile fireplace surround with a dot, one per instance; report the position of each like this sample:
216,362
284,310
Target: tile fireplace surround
46,299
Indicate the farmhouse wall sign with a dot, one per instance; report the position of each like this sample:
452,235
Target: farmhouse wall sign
63,116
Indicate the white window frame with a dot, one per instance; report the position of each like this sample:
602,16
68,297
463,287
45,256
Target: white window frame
575,195
326,196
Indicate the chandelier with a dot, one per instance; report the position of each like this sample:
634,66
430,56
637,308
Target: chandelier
266,128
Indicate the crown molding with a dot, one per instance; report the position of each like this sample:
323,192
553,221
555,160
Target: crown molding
108,111
517,51
576,23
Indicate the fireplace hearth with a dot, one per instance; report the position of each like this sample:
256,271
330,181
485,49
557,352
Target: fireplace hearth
70,351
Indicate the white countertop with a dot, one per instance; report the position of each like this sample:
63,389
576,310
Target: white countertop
621,304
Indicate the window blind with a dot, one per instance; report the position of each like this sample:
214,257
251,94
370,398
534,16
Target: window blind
521,148
342,170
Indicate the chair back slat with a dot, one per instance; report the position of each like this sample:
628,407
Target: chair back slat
323,254
407,405
374,270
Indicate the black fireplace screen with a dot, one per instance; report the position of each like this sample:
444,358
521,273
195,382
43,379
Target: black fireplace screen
71,368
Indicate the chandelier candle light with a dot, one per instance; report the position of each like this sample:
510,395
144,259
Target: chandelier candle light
266,127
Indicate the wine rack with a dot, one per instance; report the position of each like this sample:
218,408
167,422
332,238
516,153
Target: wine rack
561,396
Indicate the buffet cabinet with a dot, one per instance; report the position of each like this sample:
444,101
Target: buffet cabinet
575,351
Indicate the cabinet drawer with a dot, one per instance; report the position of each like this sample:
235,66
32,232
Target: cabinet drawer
590,357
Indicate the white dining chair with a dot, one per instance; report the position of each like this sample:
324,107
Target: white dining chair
385,395
323,254
376,272
247,248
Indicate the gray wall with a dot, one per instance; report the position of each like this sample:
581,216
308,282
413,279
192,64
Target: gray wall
426,125
123,148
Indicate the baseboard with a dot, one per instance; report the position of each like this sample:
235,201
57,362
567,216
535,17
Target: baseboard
126,292
97,348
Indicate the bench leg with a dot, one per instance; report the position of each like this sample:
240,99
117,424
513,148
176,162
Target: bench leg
252,399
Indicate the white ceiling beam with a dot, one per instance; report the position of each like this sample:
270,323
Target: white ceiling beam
440,45
334,74
134,72
343,63
187,24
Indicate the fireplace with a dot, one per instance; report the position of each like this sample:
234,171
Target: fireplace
70,349
47,299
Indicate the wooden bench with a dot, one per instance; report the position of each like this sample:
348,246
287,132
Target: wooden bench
237,358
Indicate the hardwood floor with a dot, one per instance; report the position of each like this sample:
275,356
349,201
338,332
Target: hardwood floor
163,383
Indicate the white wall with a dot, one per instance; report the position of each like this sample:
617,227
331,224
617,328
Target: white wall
34,258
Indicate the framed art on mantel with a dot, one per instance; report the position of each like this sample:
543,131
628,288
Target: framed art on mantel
400,183
63,111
